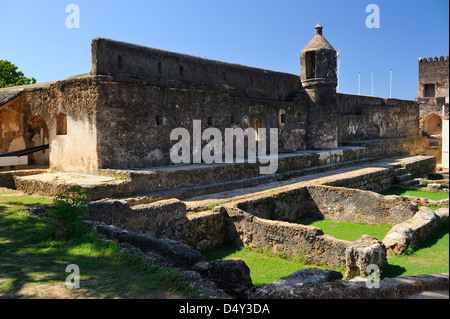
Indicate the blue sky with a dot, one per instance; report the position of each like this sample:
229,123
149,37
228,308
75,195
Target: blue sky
260,33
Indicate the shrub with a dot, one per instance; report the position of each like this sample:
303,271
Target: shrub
71,206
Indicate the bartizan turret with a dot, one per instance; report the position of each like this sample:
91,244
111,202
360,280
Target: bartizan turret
318,76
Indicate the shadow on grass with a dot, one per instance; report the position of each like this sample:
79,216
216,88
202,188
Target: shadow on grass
33,264
220,252
431,239
395,190
391,270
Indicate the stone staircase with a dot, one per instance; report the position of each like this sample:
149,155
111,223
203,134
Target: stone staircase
402,177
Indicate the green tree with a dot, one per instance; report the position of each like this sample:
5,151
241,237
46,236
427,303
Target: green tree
10,76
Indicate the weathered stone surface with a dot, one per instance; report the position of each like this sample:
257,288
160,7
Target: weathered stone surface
364,252
165,219
233,276
335,203
176,253
398,239
204,286
206,230
285,287
443,214
354,205
309,242
390,288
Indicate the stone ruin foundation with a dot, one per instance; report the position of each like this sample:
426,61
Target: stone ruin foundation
174,232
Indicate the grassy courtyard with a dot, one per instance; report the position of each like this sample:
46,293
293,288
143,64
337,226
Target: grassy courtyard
33,263
402,191
428,256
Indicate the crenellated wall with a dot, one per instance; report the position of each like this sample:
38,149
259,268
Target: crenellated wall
433,72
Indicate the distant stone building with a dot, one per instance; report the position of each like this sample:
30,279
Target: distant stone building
121,114
433,93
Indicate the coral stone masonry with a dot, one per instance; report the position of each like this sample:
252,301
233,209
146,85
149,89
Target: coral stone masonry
110,131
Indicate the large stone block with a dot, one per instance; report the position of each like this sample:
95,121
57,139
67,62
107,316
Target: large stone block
400,237
164,219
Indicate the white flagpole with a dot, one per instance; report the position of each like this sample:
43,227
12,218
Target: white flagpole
359,83
390,86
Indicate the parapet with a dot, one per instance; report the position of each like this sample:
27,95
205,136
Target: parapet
126,60
435,59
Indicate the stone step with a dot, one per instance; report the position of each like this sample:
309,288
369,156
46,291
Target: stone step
289,165
435,142
403,178
188,181
211,188
408,183
400,171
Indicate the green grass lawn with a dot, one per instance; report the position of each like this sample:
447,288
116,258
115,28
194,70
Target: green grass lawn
32,263
264,267
348,231
428,256
401,191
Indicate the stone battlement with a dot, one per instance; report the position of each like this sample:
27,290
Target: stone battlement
436,59
121,59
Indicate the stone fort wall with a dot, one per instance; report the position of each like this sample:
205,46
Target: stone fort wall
121,59
434,72
122,113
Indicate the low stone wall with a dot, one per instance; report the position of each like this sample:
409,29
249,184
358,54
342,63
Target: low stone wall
7,177
376,180
307,242
265,222
163,219
325,284
421,168
335,203
389,147
206,230
400,237
359,206
383,177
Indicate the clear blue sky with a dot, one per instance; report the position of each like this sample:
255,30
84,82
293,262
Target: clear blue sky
260,33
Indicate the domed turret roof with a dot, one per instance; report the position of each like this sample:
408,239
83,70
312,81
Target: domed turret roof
318,42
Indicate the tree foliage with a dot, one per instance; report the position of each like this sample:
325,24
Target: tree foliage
10,76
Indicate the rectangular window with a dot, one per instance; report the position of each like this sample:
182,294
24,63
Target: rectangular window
159,68
429,90
310,65
61,124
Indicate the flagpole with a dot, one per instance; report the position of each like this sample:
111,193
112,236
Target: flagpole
390,85
359,83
